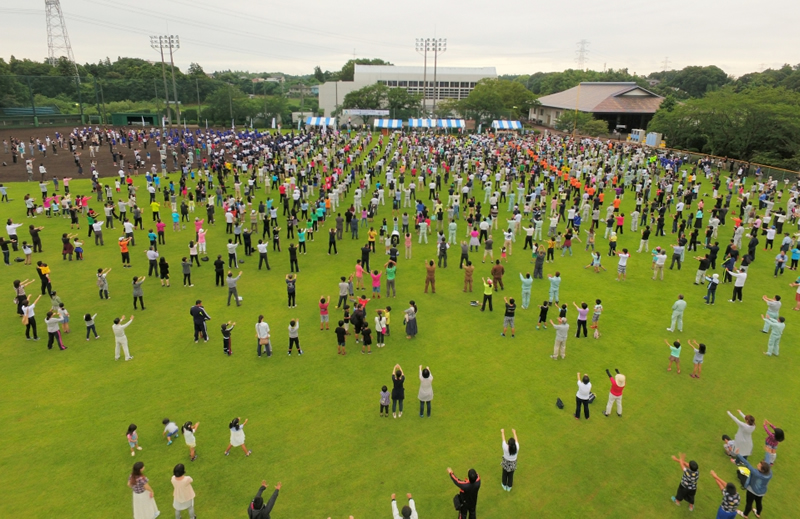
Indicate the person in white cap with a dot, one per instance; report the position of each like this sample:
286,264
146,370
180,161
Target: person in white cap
615,395
711,295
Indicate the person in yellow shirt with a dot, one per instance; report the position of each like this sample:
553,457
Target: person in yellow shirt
371,235
551,247
155,206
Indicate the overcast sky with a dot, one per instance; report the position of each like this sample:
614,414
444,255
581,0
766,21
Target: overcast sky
516,36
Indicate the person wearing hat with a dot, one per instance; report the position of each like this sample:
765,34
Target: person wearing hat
257,508
659,260
615,395
711,295
487,294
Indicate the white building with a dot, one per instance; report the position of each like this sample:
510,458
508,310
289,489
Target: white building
451,83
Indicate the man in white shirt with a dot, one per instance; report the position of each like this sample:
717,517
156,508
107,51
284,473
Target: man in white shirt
408,512
120,339
622,266
738,284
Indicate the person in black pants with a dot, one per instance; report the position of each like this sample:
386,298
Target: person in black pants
219,271
44,277
583,311
365,250
293,258
262,254
332,242
583,396
487,294
291,290
469,493
199,316
257,508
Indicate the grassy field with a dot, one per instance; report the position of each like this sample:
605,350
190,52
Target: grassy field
312,421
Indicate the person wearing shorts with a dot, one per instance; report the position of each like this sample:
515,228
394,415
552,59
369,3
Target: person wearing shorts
598,309
323,312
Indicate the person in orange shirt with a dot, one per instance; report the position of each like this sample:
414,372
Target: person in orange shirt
617,201
126,255
602,196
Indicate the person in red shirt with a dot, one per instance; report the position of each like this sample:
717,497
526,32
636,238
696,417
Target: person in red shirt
617,386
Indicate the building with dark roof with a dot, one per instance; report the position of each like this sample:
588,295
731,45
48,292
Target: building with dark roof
623,105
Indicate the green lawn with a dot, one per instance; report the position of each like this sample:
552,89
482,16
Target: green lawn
313,424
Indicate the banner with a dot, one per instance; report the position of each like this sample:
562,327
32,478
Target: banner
359,112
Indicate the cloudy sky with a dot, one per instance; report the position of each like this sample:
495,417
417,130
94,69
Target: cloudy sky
516,36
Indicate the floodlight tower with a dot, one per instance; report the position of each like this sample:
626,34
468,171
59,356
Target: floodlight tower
439,45
422,46
57,38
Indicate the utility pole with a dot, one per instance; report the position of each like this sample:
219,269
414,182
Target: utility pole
582,54
158,43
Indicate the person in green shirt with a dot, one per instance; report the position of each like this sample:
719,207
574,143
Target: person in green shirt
487,294
674,355
391,272
527,282
776,330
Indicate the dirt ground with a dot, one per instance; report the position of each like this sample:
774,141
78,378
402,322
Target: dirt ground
61,165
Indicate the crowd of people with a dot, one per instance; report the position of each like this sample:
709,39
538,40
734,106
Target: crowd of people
457,190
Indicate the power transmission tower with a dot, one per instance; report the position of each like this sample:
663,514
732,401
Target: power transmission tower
582,54
665,64
57,38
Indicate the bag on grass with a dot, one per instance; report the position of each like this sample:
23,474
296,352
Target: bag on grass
205,258
559,403
458,502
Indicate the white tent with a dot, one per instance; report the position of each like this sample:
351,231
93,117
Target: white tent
387,123
320,121
507,125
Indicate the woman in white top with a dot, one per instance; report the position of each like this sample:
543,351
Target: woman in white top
29,314
744,436
262,336
237,436
425,389
583,396
183,495
188,436
510,450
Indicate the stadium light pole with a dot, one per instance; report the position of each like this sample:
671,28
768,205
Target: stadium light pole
439,45
174,43
158,43
422,46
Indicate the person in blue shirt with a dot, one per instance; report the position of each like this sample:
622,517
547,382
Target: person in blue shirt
756,484
795,256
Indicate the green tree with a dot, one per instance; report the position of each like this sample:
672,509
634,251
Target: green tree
759,123
697,81
398,101
348,70
581,122
497,98
319,75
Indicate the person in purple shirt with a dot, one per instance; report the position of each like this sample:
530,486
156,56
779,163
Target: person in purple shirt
583,312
